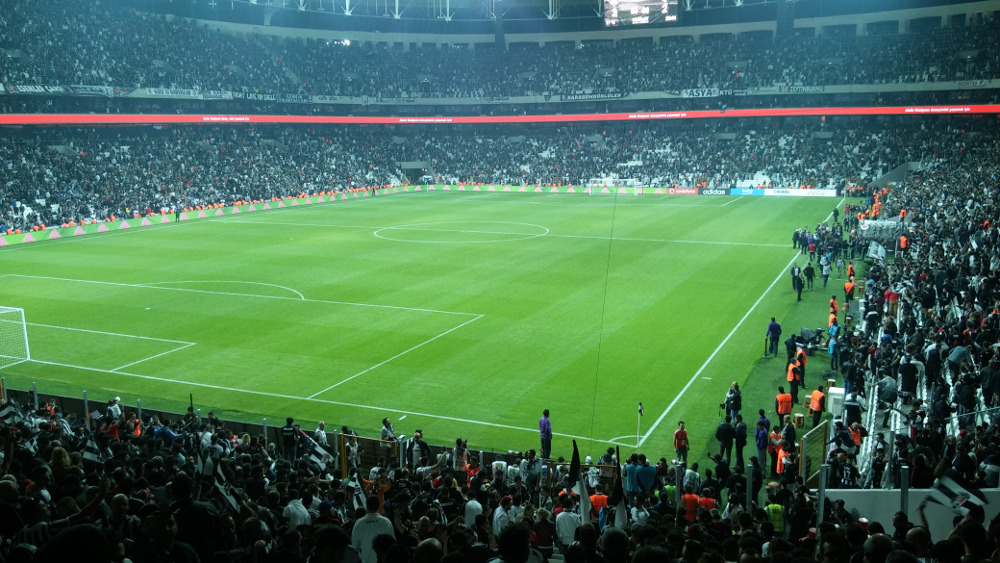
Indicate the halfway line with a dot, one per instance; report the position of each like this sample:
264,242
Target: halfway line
586,237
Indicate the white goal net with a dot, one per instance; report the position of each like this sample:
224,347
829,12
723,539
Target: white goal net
13,337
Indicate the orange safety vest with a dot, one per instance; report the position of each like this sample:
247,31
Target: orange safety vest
785,403
772,438
708,503
834,305
830,321
902,242
597,502
815,402
800,356
850,270
690,502
849,287
856,434
791,374
781,462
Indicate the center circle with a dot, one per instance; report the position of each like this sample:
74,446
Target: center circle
462,232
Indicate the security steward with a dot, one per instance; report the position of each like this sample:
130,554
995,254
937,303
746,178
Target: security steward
817,404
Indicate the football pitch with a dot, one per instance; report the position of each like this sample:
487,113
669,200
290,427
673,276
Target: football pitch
463,314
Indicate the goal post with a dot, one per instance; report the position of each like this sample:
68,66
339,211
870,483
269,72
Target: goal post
13,337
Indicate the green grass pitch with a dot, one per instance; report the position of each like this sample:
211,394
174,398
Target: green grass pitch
464,314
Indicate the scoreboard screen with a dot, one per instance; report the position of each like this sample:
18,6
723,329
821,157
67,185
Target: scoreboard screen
624,13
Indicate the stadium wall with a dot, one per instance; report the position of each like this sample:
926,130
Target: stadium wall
879,505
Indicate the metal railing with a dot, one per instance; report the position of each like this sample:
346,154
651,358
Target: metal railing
346,451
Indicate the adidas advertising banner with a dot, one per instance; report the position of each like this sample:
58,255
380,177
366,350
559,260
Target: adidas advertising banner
713,191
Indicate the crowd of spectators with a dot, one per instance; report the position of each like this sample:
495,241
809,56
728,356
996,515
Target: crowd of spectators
177,489
50,179
922,352
52,43
921,355
102,44
54,176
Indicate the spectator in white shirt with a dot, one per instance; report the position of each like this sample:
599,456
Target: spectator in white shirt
367,528
501,516
567,522
320,434
473,508
297,513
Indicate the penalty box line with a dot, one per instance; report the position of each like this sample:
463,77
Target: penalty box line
475,317
183,344
236,294
325,401
399,355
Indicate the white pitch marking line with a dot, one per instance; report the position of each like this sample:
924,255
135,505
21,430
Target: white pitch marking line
716,351
111,333
287,224
675,241
728,202
227,293
325,402
402,417
585,237
646,202
663,415
461,231
382,363
288,289
179,348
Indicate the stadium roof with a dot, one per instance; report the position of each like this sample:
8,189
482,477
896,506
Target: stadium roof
519,16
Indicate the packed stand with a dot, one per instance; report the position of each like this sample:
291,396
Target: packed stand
190,489
72,44
50,179
919,362
93,44
54,176
150,489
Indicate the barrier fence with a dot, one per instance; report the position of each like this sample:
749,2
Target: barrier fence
346,451
812,453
